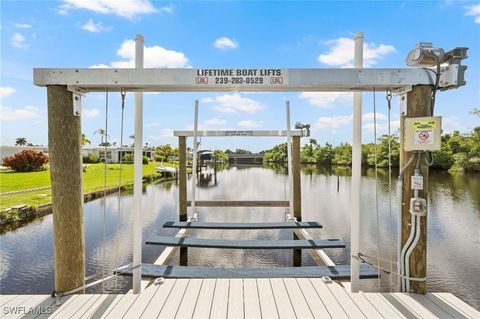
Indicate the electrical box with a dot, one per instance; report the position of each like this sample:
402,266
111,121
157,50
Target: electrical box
423,133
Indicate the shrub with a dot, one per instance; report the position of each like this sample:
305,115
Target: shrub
91,159
128,158
26,161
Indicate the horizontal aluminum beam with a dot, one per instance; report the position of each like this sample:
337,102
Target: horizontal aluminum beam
237,133
218,80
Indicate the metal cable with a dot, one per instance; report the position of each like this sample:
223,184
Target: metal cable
117,226
389,105
105,189
376,181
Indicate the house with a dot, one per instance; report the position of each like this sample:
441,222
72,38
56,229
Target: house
113,153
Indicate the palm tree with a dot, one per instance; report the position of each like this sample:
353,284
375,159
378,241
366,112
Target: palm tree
20,141
102,133
85,140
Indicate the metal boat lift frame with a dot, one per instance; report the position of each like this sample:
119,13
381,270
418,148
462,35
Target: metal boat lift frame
400,80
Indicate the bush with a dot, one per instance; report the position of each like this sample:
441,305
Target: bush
91,159
128,158
26,161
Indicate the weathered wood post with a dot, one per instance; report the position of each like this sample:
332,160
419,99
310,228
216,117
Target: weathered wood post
65,151
418,105
182,191
297,194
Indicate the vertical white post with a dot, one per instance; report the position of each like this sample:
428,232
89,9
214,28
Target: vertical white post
137,174
194,159
356,170
289,161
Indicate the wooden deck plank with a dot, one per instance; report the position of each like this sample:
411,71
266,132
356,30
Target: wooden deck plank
300,305
141,303
6,298
465,308
174,299
212,225
205,299
383,306
398,305
69,307
187,307
313,300
220,299
432,307
94,307
419,310
268,306
251,299
447,307
52,305
350,308
85,307
15,302
364,305
64,304
235,299
121,307
106,306
282,300
155,306
334,308
26,306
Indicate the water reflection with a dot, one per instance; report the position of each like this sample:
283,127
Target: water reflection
453,224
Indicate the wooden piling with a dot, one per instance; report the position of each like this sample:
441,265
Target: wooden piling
182,191
418,105
65,151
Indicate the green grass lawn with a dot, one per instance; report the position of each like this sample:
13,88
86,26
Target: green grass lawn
93,179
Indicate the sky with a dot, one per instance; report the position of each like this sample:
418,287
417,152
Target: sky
88,33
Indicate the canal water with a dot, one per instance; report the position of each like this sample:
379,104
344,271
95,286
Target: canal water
453,228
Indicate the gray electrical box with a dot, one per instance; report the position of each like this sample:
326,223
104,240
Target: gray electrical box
423,133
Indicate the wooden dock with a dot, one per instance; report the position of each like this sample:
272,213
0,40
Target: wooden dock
240,298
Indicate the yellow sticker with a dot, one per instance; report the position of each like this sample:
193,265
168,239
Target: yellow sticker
424,125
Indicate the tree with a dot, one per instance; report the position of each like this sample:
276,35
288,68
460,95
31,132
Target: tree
85,140
220,156
162,152
103,135
20,141
26,161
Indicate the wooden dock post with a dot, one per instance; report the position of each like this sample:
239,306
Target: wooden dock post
297,194
418,105
65,151
182,191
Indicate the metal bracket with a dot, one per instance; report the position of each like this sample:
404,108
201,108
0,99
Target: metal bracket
77,100
403,104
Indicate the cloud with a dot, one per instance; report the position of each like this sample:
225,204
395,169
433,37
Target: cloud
382,127
474,10
215,122
370,116
6,91
22,25
233,103
99,66
341,53
326,100
332,122
453,123
249,124
154,57
168,9
95,27
125,8
90,113
19,41
26,112
225,43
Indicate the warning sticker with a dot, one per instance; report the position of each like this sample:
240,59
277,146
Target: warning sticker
423,132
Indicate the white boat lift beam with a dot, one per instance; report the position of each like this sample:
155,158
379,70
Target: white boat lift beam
265,80
259,133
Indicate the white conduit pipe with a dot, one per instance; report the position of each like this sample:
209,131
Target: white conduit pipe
194,164
410,250
289,162
399,226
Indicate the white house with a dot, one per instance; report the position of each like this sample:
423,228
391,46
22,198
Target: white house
113,153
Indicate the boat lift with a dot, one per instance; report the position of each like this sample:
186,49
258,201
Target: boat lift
65,86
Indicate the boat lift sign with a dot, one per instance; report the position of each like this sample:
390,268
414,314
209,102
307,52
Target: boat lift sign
241,77
423,133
